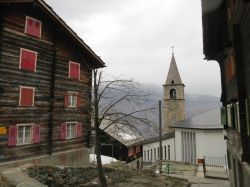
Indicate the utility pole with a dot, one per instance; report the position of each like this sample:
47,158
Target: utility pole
160,136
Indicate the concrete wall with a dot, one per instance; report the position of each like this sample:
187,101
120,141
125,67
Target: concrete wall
208,143
155,145
77,157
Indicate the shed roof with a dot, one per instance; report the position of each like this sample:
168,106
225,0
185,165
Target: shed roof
56,18
210,120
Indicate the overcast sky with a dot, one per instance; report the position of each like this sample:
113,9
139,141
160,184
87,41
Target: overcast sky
134,39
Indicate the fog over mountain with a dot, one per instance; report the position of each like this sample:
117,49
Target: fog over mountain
194,105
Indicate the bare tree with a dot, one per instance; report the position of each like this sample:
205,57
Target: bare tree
111,111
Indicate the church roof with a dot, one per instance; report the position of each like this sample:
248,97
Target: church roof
173,73
210,120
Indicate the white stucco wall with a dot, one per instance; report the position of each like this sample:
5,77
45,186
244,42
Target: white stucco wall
208,143
155,145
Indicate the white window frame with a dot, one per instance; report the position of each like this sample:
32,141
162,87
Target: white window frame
72,95
31,125
75,132
26,22
71,62
20,57
20,94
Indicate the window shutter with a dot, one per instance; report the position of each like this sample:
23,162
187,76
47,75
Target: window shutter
36,134
63,131
37,29
237,120
66,99
12,135
247,102
74,70
223,116
137,149
28,60
78,100
33,27
229,119
79,129
26,97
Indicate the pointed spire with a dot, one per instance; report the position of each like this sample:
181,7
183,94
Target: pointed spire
173,73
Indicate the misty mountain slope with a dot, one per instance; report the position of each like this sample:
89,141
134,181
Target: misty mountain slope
194,105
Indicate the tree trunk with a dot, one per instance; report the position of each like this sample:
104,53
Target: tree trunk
102,178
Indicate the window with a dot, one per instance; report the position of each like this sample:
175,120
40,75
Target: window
22,134
165,152
74,70
168,152
33,27
148,155
158,153
71,130
28,60
72,99
26,96
172,94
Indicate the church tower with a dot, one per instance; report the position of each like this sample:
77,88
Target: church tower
173,106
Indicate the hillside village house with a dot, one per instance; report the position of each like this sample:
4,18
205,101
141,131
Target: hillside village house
45,79
226,28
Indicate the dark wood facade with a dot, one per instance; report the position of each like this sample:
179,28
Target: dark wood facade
57,46
226,39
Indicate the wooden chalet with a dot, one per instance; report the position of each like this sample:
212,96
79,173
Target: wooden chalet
45,82
226,39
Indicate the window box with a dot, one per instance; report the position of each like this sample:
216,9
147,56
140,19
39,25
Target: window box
28,60
33,27
70,130
72,99
74,70
22,134
26,96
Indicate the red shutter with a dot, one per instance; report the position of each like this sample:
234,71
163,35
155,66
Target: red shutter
79,129
66,99
33,27
28,60
12,135
137,149
63,132
78,100
29,26
26,97
37,29
36,134
74,70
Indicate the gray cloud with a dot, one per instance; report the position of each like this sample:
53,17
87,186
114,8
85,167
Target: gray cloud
134,38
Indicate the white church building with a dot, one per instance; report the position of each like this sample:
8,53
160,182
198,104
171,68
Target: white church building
185,140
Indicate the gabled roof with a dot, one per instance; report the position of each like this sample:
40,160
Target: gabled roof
173,73
157,138
50,12
210,120
127,135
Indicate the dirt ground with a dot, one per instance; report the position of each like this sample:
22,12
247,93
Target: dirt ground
123,176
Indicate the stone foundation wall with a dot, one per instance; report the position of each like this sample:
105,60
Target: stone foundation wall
78,157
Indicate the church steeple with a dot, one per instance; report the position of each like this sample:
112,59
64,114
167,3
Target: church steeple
173,97
173,73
